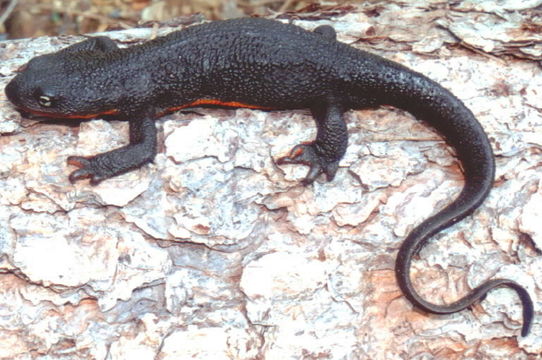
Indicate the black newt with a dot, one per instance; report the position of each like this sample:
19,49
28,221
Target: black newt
260,64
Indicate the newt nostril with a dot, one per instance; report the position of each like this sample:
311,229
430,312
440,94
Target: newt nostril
21,68
12,92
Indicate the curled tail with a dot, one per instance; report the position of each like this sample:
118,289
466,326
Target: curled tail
430,102
418,237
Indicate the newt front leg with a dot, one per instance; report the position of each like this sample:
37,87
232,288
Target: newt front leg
141,150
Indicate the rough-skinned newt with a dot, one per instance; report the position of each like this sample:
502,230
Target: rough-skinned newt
260,64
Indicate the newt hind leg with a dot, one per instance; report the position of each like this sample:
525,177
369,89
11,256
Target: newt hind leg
323,154
326,31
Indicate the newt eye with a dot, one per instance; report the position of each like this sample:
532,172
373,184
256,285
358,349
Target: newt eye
45,101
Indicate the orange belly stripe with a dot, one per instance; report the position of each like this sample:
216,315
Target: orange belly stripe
217,103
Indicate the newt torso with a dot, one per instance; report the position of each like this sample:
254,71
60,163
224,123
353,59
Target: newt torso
254,63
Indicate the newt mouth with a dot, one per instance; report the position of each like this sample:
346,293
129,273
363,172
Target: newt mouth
71,116
31,113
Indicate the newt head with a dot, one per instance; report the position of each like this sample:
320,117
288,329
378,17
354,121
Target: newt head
54,86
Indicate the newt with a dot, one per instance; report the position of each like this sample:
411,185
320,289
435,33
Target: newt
260,64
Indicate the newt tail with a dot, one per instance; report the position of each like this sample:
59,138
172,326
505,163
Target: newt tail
450,117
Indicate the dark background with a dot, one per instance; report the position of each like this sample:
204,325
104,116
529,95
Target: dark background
31,18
